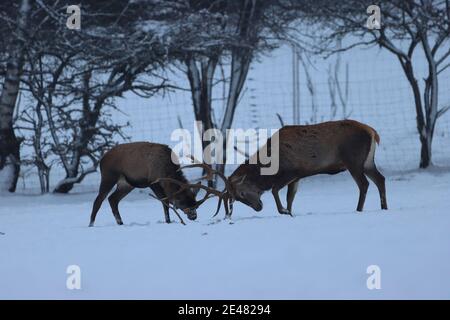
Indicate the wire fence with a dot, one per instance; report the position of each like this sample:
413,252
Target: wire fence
373,90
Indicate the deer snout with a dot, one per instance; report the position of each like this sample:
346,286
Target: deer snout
191,213
258,206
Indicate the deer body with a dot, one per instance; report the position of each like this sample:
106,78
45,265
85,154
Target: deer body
325,148
140,165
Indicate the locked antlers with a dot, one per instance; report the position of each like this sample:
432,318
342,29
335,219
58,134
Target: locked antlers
224,195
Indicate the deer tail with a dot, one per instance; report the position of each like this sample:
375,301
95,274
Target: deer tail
376,136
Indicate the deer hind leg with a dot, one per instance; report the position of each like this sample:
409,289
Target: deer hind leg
379,181
275,190
276,196
363,185
371,171
292,190
123,188
105,187
159,192
356,155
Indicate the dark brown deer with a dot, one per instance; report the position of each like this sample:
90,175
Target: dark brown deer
142,165
329,147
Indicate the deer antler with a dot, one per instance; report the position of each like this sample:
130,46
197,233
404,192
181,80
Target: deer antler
168,205
210,192
223,195
210,171
185,186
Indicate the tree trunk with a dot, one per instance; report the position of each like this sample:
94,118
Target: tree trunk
421,122
425,151
73,177
44,178
9,143
240,65
65,185
430,98
87,131
241,59
201,84
10,160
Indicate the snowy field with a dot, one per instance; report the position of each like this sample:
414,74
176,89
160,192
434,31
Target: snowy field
322,252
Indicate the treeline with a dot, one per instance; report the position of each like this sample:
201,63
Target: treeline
59,85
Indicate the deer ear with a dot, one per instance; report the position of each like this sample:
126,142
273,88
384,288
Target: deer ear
238,180
234,179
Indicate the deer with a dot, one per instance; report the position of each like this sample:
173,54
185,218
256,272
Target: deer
306,150
149,165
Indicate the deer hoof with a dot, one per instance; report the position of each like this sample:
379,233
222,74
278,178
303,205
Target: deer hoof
285,211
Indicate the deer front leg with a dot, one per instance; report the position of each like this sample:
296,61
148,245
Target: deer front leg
292,190
280,207
159,192
166,213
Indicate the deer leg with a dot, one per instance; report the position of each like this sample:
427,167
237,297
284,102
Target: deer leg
159,192
277,188
105,188
379,181
363,185
292,190
276,196
166,213
123,188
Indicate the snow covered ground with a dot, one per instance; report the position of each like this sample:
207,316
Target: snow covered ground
323,252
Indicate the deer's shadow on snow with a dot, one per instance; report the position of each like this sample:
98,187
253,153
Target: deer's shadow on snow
296,215
262,217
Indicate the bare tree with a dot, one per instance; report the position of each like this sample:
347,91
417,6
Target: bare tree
76,78
9,143
32,120
406,28
207,34
77,98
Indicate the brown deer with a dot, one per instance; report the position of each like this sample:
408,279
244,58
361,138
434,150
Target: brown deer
142,165
329,147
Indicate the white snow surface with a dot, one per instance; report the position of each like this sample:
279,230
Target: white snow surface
322,252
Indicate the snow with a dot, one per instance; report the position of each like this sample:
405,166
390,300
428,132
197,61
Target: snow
322,252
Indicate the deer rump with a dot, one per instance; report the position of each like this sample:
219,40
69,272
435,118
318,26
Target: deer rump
325,148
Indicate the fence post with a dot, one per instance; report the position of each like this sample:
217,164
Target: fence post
295,86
